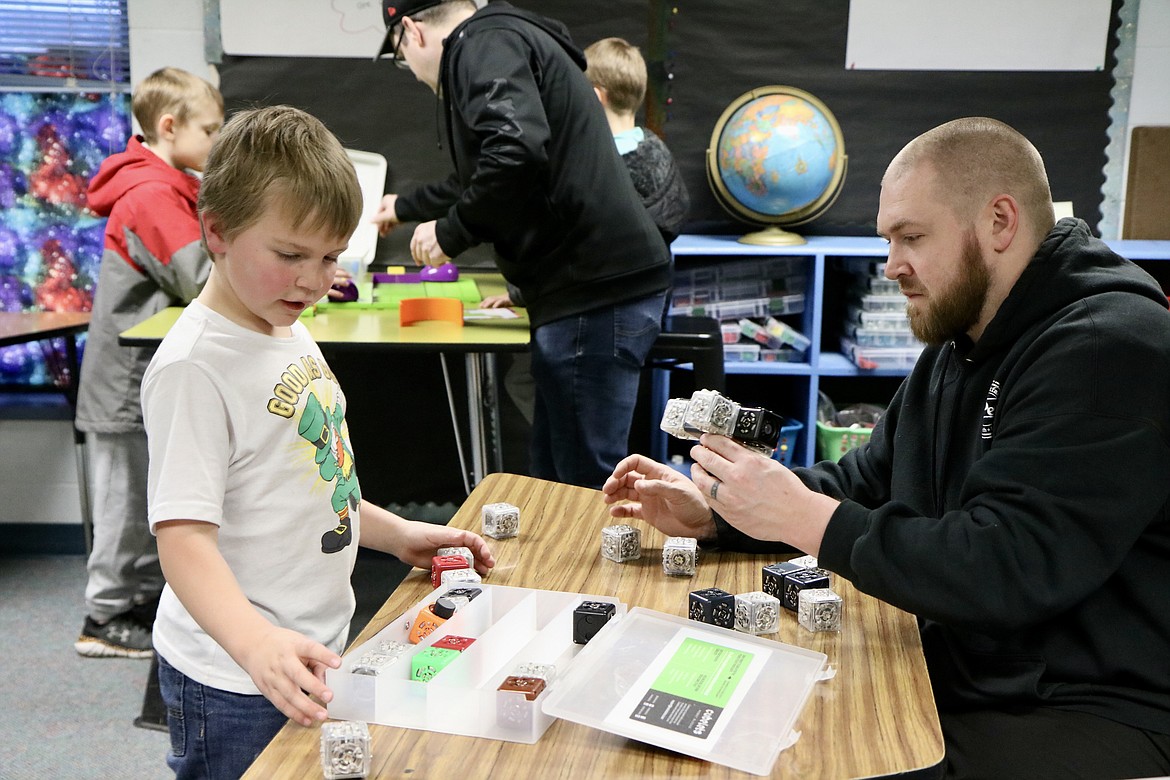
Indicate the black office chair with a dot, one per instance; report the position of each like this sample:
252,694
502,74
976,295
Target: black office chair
694,340
684,340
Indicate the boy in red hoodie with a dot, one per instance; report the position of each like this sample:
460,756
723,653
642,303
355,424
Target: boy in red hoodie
153,258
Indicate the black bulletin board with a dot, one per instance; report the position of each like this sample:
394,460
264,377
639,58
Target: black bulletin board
703,54
727,48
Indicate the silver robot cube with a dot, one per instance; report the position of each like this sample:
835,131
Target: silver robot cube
345,749
711,412
621,543
673,418
757,613
680,556
819,610
501,521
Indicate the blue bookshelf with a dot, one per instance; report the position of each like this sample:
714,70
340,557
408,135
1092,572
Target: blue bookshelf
819,252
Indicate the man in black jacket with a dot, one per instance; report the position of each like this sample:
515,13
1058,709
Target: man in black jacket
1015,495
538,176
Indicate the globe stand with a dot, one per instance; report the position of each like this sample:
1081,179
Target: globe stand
772,236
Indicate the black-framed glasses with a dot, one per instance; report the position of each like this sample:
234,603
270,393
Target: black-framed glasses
398,61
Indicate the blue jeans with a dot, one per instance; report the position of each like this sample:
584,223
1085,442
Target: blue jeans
586,370
215,734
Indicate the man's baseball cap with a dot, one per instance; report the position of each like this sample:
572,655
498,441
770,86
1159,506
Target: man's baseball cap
392,13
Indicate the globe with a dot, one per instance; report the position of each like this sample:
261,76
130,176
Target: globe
776,158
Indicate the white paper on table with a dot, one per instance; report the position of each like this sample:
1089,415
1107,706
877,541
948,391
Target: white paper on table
490,314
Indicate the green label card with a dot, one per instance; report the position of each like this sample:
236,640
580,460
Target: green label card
693,688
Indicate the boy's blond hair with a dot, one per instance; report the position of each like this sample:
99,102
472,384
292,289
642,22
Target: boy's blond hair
170,91
616,66
284,157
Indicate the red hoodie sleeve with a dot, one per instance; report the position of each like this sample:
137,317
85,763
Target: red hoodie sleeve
158,218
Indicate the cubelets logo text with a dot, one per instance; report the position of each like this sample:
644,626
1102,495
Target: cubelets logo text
704,722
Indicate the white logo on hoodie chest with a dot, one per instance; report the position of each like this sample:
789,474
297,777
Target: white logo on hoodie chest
985,429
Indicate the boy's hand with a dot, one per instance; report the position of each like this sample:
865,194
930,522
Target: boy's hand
418,542
288,668
386,216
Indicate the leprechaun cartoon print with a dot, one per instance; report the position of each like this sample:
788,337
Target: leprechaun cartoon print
323,428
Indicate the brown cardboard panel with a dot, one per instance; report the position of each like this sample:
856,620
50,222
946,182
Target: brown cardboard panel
1147,192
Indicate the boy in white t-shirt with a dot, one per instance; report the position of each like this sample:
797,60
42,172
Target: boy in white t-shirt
253,495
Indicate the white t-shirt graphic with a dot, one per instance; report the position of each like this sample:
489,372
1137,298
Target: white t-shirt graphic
248,432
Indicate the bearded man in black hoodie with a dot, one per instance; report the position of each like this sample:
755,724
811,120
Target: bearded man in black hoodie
537,175
1015,495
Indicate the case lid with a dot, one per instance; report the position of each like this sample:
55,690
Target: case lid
697,689
371,173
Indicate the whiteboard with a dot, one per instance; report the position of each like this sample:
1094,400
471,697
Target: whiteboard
982,35
302,28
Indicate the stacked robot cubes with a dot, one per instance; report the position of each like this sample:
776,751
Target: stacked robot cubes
798,586
708,411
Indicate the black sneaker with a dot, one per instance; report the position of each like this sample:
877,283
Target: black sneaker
121,637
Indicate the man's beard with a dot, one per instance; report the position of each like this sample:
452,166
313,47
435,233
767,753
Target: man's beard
951,312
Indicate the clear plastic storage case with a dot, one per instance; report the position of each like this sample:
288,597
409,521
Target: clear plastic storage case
695,688
510,626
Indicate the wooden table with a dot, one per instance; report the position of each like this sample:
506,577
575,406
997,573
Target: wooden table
338,328
876,717
23,327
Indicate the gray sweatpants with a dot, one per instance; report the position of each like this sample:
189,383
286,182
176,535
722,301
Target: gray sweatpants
123,566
